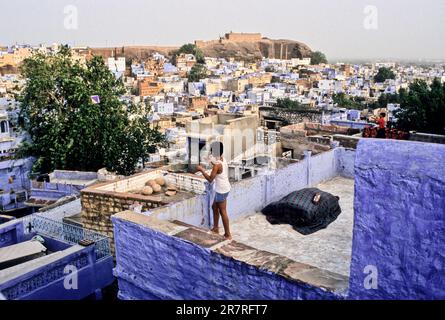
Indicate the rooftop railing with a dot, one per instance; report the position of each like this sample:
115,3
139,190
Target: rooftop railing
69,233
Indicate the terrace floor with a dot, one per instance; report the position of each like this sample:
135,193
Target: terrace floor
328,249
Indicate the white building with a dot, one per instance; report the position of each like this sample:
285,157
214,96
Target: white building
258,95
116,65
300,62
174,86
6,141
164,107
326,85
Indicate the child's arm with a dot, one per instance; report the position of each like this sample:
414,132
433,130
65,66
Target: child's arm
212,175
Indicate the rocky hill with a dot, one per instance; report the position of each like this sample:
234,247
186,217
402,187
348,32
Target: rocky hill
248,50
267,48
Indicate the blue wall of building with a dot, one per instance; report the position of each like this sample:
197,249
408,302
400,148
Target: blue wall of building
45,281
154,265
11,232
399,223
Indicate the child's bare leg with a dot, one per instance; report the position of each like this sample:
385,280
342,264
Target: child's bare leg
215,209
225,219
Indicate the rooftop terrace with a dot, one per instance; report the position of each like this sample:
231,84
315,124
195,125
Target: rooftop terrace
321,260
394,238
328,249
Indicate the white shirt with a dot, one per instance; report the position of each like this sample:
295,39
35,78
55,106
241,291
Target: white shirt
222,184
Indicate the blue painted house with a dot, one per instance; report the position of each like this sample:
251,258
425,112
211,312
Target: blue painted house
43,259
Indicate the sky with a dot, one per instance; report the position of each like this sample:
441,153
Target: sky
349,29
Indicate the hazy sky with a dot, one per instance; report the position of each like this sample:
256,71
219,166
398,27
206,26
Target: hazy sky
407,29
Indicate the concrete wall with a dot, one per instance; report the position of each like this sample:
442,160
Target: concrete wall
350,124
194,210
349,142
345,160
161,260
134,182
253,194
426,137
74,175
49,190
98,206
399,224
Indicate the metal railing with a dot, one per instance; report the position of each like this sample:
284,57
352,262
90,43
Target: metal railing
67,233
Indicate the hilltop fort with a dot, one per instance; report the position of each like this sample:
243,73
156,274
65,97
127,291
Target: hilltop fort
244,46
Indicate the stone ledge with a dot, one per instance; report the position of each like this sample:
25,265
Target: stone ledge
123,196
183,224
346,141
151,222
199,237
316,277
285,267
291,270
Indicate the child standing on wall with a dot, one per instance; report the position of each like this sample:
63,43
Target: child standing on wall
219,174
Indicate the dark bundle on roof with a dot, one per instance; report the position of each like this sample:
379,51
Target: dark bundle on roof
307,210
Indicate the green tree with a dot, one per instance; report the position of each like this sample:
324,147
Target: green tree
384,74
198,72
289,104
318,57
190,48
386,98
68,130
422,108
344,101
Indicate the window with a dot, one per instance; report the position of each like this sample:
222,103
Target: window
3,127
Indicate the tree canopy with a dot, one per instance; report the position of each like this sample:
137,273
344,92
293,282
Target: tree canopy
70,131
384,74
190,48
386,98
291,105
198,72
318,57
422,108
349,102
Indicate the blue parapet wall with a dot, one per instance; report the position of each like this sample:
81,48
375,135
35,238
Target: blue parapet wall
11,232
399,226
162,260
43,278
